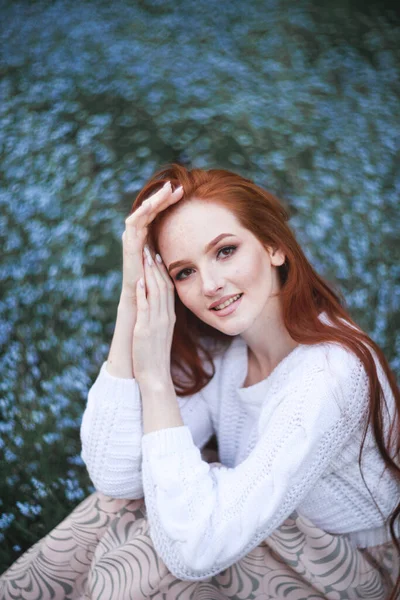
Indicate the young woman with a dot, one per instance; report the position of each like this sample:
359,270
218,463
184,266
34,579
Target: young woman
232,334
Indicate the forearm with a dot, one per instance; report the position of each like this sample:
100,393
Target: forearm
119,361
111,434
160,408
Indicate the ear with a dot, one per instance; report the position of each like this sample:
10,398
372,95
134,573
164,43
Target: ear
277,256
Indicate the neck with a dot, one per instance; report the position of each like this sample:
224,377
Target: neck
268,343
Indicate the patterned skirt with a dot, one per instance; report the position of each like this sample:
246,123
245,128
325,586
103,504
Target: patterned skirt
103,551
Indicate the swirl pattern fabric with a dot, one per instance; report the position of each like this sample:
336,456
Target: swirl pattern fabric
103,551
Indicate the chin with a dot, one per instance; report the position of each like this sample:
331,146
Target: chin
232,328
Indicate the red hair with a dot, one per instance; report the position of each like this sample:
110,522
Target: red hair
304,295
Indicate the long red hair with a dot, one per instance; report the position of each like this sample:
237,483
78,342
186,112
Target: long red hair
304,295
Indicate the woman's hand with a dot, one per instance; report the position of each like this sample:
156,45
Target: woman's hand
135,234
155,321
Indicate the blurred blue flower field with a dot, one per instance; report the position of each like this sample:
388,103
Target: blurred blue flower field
94,97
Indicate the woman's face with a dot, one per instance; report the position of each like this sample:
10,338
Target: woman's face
237,264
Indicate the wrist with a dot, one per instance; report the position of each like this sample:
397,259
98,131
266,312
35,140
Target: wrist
156,384
160,407
127,300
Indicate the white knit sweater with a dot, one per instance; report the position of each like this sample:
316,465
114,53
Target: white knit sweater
288,442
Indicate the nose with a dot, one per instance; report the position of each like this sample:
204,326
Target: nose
211,284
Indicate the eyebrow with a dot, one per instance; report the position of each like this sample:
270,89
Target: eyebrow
208,247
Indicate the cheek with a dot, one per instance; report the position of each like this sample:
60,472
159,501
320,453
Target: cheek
251,269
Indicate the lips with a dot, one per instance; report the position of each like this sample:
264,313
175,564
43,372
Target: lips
223,299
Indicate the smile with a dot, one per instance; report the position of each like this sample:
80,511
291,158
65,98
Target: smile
229,306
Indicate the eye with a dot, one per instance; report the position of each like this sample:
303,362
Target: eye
233,248
227,248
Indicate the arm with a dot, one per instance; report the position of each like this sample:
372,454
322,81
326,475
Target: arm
114,393
205,518
119,362
113,413
112,430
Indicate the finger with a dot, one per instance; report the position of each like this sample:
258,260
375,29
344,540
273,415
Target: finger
169,284
163,288
153,296
138,212
146,204
160,202
135,221
141,300
149,209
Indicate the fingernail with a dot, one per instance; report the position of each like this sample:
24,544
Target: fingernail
167,184
147,255
158,258
178,189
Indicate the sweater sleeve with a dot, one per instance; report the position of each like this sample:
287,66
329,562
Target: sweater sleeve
112,429
205,518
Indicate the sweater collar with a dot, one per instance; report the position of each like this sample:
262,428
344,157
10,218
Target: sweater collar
256,393
264,383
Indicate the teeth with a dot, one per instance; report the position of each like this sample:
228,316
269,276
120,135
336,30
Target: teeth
227,303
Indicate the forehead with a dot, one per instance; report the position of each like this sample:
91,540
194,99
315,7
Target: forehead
195,223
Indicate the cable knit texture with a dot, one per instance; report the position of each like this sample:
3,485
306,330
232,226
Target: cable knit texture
288,442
